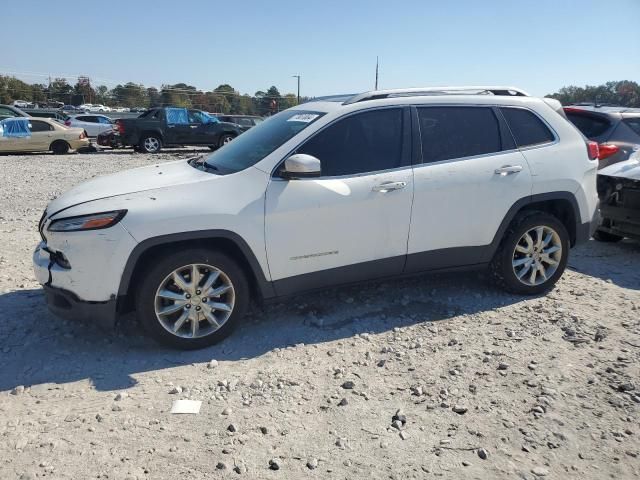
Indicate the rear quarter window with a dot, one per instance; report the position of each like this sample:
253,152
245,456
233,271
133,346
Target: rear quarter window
590,126
526,127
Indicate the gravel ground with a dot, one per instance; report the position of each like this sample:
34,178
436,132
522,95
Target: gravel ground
432,377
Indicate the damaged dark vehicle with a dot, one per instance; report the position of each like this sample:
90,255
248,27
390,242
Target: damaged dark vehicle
619,192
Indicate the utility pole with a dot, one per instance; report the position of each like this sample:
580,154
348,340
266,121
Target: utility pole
298,77
376,88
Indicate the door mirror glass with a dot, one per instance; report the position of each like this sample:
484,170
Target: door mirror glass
301,165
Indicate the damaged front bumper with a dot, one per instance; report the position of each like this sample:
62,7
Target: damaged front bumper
80,272
66,304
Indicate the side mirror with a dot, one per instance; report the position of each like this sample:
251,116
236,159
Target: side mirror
301,165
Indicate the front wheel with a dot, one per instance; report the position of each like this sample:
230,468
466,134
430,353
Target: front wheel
533,254
150,144
192,299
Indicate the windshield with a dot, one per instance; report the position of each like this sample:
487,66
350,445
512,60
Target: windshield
258,142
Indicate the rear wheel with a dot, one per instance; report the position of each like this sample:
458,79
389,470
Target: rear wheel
606,237
60,147
533,254
224,139
192,299
150,144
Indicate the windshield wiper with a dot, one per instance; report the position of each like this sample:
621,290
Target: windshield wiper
200,164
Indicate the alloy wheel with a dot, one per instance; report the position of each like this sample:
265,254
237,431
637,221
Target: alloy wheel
151,144
194,301
537,255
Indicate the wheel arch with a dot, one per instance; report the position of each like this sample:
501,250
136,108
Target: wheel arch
562,205
146,133
222,240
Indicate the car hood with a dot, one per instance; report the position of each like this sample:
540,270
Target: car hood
136,180
627,169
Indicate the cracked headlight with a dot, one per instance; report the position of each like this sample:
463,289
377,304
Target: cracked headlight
95,221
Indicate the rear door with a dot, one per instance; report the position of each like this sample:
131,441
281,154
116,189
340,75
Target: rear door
178,129
41,135
469,176
205,130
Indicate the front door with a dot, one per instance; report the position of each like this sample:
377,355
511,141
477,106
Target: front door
352,222
470,176
205,130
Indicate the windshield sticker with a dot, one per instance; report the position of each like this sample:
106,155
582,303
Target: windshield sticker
303,117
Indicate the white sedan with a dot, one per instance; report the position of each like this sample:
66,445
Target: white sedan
93,124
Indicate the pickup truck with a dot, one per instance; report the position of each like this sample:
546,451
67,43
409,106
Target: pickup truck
158,127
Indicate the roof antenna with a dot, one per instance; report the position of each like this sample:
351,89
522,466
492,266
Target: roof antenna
376,87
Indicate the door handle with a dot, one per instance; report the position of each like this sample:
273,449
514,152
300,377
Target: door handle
389,186
508,170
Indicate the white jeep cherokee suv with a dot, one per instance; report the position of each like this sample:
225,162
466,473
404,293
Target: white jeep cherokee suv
334,191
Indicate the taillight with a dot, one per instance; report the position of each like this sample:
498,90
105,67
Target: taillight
67,123
592,148
119,127
606,150
83,135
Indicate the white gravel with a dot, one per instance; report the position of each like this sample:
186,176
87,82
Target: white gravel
432,377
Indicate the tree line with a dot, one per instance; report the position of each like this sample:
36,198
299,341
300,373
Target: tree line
624,93
222,99
225,99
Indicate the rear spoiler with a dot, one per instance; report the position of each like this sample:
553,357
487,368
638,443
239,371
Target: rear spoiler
556,105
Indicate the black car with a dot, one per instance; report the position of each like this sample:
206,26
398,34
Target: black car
616,129
245,122
158,127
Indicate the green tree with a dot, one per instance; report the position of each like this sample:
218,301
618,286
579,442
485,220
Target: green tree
60,91
178,95
153,97
130,95
624,93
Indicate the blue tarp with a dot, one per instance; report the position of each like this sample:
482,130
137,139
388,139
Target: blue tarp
177,116
15,127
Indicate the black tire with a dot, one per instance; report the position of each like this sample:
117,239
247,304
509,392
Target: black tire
225,138
60,147
147,142
161,267
606,237
501,266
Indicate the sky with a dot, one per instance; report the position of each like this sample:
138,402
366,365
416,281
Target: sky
537,45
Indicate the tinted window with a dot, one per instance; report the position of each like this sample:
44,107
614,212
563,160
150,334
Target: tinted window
458,132
104,120
588,125
526,127
38,126
365,142
634,124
